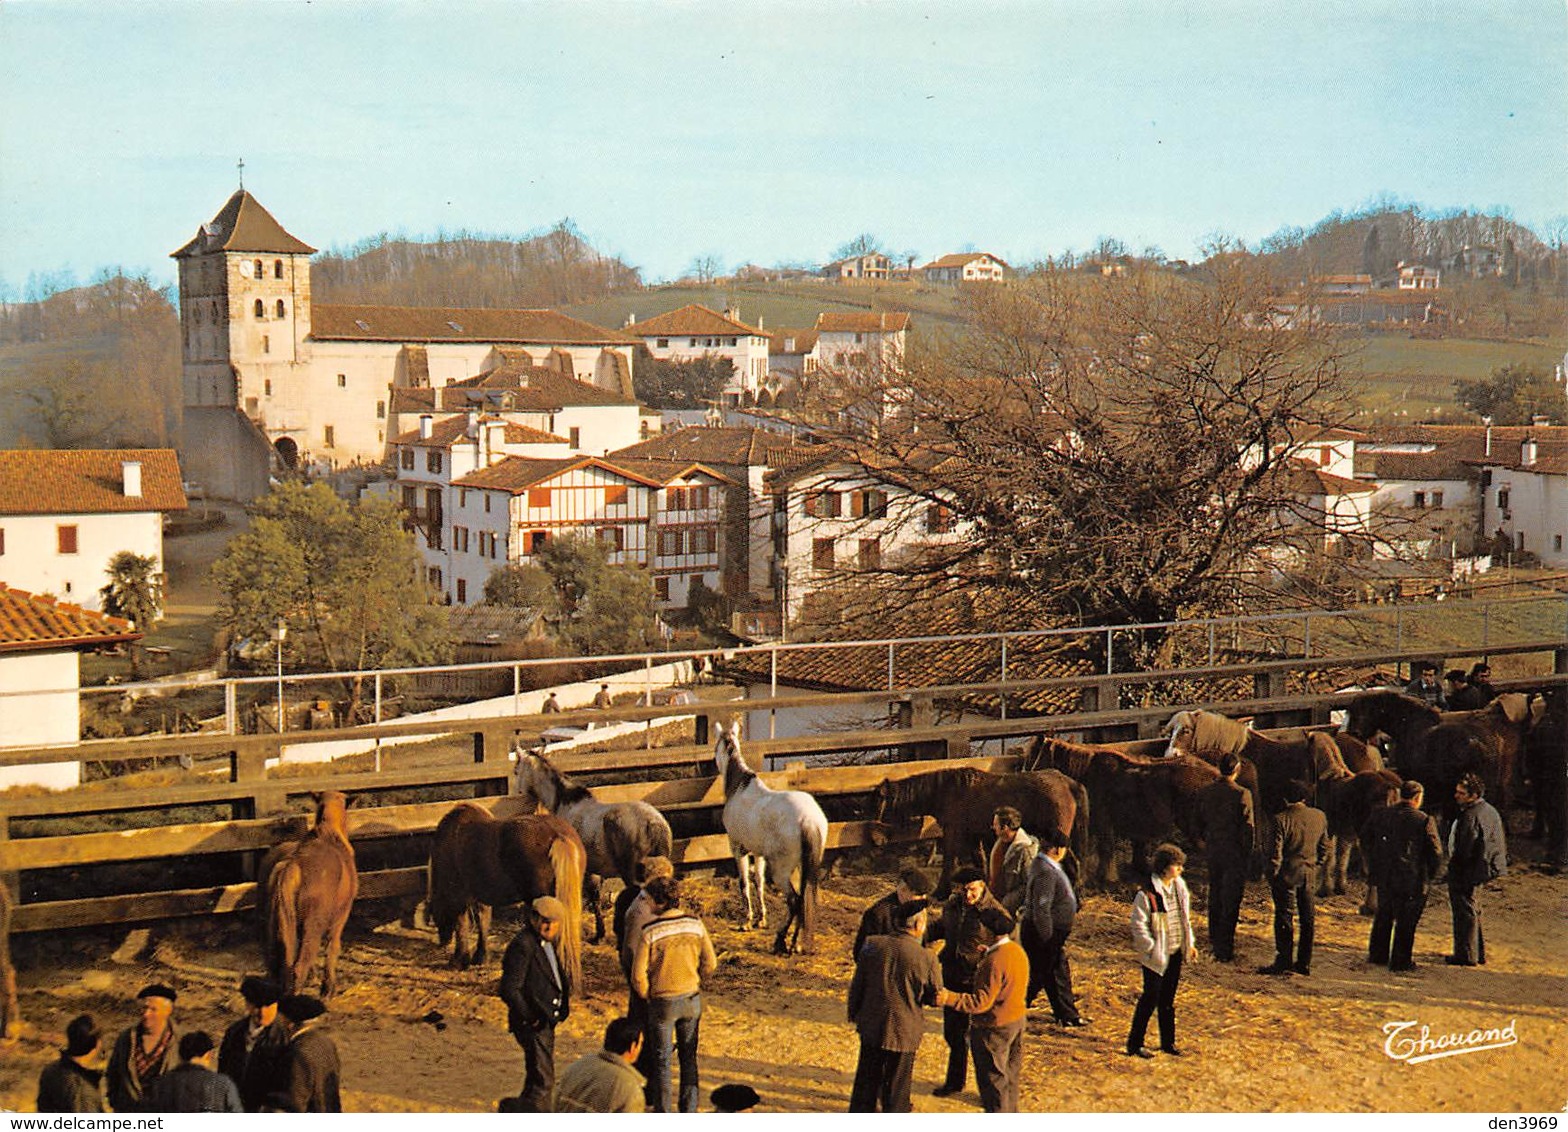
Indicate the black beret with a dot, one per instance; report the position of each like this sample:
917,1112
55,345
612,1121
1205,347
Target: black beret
735,1098
967,875
301,1007
997,920
909,909
260,992
157,990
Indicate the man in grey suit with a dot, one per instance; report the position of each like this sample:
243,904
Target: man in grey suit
1300,850
1477,854
1047,913
894,977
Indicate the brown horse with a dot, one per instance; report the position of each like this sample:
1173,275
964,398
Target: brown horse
1279,759
307,890
1133,797
479,862
1347,802
963,799
10,1014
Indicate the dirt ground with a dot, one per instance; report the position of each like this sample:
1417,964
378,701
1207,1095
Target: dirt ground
1255,1043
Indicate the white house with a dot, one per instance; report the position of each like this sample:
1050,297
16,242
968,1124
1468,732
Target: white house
873,265
40,671
1525,497
966,267
689,530
65,514
1419,277
694,331
860,340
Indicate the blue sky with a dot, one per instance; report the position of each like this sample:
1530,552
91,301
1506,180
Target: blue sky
765,130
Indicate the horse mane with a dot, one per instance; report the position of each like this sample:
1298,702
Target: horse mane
1327,760
1212,731
736,772
566,791
919,790
332,819
1074,759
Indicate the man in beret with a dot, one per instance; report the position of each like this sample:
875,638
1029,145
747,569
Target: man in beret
966,936
72,1084
894,977
194,1085
145,1051
311,1070
254,1049
882,917
537,991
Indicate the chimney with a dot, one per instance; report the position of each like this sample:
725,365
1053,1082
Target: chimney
759,322
472,428
427,424
631,320
131,478
495,438
732,310
1527,452
1487,421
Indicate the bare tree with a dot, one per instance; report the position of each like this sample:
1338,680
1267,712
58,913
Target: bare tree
863,244
705,268
1110,450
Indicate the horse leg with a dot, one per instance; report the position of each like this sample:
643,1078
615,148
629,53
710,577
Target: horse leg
305,958
329,976
591,896
791,912
463,934
1324,881
482,934
1342,849
761,865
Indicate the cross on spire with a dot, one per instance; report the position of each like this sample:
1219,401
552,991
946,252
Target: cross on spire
242,172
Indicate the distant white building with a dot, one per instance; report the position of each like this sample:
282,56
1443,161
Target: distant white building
41,641
966,267
873,266
860,340
1525,497
693,332
65,514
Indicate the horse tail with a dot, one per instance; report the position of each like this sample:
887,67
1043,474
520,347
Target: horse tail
1078,835
568,861
283,922
811,849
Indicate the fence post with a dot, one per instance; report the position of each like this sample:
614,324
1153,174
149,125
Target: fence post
231,708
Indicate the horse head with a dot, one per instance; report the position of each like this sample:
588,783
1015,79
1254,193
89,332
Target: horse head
1183,729
726,750
532,780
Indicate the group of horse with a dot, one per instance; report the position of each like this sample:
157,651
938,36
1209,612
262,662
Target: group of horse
1097,795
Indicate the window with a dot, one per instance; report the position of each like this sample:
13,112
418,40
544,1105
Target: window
538,497
433,461
671,542
870,554
2,540
1502,499
462,591
939,519
381,410
342,381
533,541
675,499
1418,499
462,497
487,503
1437,500
612,537
256,269
405,458
410,499
434,574
663,344
697,498
261,309
613,496
823,504
266,387
281,309
1557,542
460,539
66,538
277,269
327,436
870,504
574,437
661,589
703,541
822,554
266,344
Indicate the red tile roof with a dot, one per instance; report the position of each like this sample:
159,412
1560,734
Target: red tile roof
862,322
450,430
692,319
1309,479
666,472
243,225
958,259
532,388
517,474
87,481
458,324
781,341
735,447
29,622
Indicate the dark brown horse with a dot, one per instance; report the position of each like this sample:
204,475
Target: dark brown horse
1347,802
479,862
307,890
963,799
1132,797
10,1014
1387,711
1279,759
1488,742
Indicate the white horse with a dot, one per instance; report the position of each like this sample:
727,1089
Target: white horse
617,835
782,831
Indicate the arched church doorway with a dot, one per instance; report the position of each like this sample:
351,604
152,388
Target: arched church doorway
288,452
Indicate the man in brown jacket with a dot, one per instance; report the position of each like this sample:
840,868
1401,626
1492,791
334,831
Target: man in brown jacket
673,954
996,1035
894,977
1300,850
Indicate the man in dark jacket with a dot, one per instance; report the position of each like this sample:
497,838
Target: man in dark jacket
1300,850
312,1072
1477,855
882,917
1424,685
1226,822
194,1085
68,1085
537,991
894,977
145,1051
1047,914
1403,853
966,940
254,1049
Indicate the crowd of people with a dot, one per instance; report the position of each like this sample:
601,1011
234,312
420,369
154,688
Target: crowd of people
984,957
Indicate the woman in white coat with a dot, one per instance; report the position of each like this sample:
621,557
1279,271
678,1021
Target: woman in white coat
1163,938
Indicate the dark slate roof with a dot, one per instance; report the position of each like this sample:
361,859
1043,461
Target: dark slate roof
243,225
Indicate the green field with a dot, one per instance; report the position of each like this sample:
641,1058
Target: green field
1400,376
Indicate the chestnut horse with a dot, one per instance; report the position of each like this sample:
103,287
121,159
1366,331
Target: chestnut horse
479,862
1135,797
307,890
10,1015
962,800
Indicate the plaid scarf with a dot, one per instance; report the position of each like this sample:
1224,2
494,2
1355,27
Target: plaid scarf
141,1062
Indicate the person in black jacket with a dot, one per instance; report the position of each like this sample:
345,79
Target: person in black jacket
1229,830
69,1085
882,918
1477,855
255,1048
1300,850
1403,853
312,1071
194,1085
537,991
966,938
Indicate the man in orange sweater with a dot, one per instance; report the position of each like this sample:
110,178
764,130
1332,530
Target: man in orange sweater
996,1035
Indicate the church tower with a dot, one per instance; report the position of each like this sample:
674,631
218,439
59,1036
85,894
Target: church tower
244,323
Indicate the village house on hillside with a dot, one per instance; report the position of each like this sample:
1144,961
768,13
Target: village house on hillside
269,375
966,267
41,642
65,514
693,332
872,266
